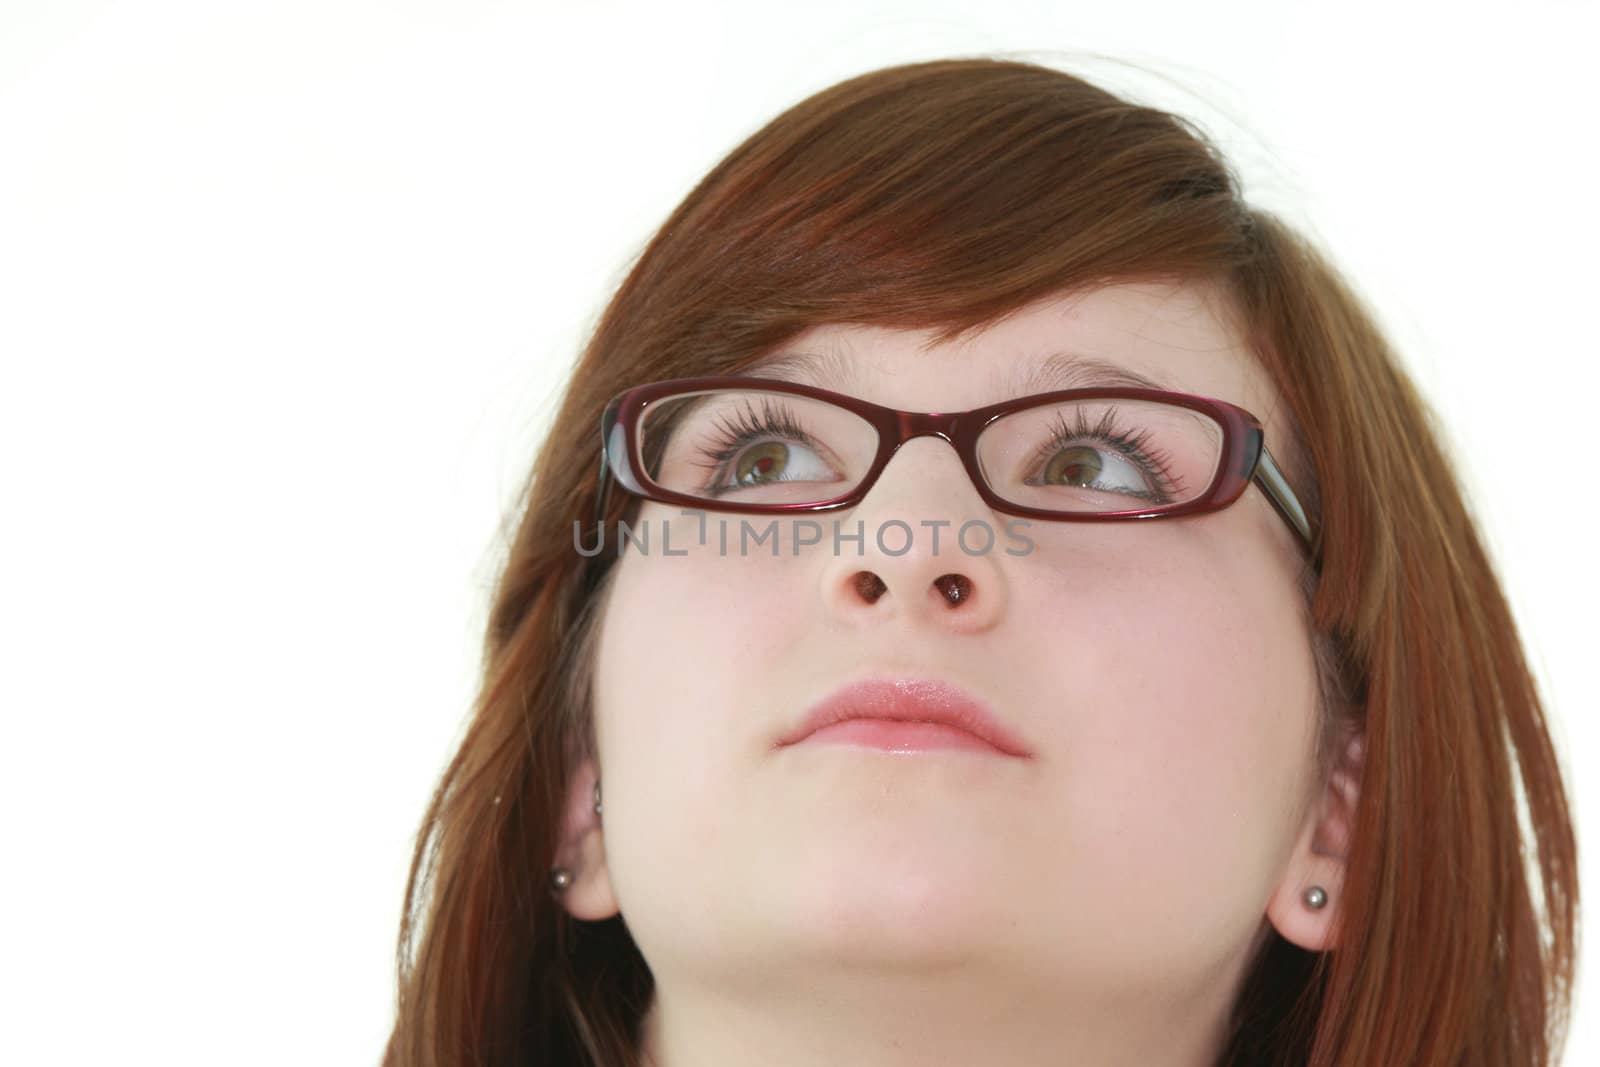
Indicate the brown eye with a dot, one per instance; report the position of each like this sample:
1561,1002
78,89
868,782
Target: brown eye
1073,466
761,462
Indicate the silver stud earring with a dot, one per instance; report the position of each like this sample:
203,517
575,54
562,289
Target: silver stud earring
597,796
1315,897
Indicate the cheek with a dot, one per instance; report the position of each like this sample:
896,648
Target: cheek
1189,704
682,628
683,651
1197,635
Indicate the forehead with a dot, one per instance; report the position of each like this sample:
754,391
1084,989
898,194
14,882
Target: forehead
1149,335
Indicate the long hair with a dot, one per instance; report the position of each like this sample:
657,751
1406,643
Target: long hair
946,195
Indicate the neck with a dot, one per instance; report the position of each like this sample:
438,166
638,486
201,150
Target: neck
921,1020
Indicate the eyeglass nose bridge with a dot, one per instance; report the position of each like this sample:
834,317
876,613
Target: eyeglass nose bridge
909,424
905,426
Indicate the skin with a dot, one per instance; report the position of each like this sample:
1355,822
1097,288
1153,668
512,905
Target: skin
1095,902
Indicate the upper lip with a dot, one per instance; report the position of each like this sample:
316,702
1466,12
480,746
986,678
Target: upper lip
910,700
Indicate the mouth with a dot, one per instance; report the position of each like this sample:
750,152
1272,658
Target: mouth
905,715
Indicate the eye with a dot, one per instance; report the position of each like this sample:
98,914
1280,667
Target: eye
775,461
1104,452
1089,468
760,448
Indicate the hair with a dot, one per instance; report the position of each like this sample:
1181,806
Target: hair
944,196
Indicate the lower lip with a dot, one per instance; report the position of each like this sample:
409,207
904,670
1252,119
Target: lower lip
896,736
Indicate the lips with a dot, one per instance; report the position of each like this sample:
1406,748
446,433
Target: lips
909,700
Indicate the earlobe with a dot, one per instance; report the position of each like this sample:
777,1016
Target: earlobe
1305,908
579,878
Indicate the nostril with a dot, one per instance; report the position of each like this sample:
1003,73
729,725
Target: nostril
870,586
955,587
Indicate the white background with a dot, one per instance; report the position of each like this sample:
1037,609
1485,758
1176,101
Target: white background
286,291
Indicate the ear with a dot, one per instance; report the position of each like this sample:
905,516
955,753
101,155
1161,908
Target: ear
1319,858
581,850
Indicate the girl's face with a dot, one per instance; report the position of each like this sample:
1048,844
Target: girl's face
1159,674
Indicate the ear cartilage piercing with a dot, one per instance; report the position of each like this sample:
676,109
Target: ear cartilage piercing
1316,897
597,797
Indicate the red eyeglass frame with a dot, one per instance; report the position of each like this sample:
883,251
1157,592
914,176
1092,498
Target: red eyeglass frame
1244,453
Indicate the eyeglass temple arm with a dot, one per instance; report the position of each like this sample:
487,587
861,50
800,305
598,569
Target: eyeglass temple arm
1281,496
601,492
608,429
603,489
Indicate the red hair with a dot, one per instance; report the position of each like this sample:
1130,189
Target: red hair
945,195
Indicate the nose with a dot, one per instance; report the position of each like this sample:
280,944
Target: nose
928,552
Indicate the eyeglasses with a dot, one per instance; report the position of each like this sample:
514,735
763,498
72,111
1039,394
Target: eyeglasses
761,446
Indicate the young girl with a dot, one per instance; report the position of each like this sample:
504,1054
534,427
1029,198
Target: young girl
1030,620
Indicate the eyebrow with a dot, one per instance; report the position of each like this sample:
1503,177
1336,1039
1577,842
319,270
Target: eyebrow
828,370
1022,377
1070,370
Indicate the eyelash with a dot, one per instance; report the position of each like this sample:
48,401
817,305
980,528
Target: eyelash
779,421
1153,462
775,420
